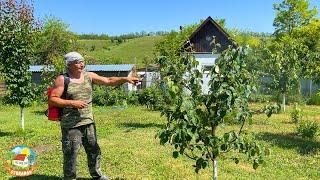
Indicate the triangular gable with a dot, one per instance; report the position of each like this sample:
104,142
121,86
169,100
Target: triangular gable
201,38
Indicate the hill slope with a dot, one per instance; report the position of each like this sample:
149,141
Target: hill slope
132,51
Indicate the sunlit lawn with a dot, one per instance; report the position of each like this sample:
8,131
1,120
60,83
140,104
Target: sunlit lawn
131,151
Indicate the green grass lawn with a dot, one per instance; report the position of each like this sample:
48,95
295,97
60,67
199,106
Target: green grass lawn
132,51
131,151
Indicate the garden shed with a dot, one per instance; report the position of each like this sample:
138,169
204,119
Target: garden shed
149,76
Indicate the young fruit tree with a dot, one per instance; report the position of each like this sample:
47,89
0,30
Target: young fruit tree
17,33
194,118
289,54
284,64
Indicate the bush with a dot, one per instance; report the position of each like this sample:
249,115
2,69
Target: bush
151,97
270,109
99,96
111,96
308,129
314,99
296,114
133,98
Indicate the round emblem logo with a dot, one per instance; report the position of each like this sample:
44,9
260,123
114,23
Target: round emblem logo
20,160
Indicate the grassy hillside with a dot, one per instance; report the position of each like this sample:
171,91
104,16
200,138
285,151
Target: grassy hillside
130,52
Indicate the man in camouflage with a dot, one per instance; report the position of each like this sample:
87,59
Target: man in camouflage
77,124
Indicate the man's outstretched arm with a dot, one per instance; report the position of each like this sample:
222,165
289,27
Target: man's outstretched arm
112,81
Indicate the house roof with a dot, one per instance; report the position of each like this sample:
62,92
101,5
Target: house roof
209,19
40,68
20,157
208,28
94,68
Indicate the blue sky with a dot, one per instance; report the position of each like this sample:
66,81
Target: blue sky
124,16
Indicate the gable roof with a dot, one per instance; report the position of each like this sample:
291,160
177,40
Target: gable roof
20,157
201,39
209,20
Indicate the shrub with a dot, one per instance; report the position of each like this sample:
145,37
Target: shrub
314,99
133,98
308,129
270,109
99,96
111,96
296,114
151,97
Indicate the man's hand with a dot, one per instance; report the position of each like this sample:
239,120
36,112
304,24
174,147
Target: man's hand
133,80
78,104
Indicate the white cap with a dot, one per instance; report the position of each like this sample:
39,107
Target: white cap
72,56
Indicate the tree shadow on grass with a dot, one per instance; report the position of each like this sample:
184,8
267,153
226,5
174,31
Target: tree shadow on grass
2,134
43,177
18,133
141,125
291,141
37,177
39,112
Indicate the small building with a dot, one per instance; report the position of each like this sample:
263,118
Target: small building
203,41
149,76
21,160
36,72
117,70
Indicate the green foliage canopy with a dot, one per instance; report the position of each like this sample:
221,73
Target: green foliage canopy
292,14
17,37
289,55
53,41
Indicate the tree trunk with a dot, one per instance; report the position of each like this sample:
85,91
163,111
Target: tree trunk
214,161
22,117
215,170
284,102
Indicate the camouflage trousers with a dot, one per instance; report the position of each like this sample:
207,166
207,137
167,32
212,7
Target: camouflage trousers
71,143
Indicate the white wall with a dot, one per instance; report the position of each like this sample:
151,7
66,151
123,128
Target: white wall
205,60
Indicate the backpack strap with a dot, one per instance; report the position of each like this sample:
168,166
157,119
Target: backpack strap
66,84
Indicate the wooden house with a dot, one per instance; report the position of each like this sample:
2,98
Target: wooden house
203,45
